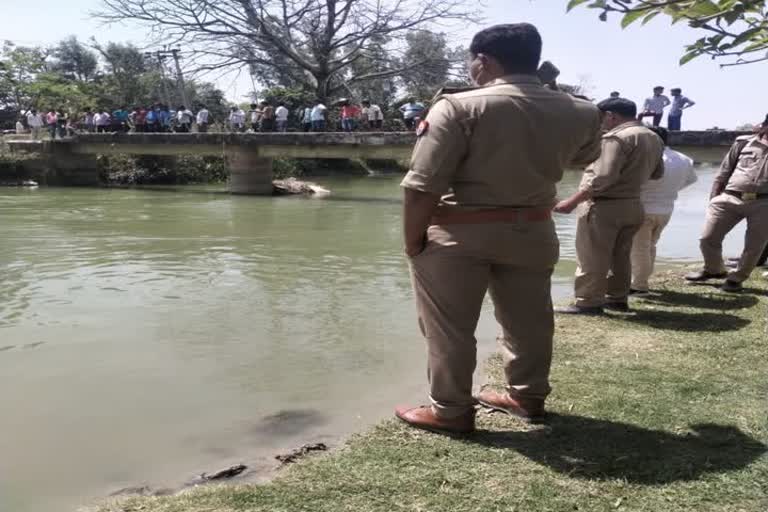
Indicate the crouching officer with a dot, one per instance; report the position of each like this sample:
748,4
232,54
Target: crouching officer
740,191
477,218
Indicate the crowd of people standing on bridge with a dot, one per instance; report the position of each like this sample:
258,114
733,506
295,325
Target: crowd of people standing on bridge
263,116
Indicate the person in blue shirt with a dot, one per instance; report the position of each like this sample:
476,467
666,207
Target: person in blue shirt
120,120
151,119
412,112
164,118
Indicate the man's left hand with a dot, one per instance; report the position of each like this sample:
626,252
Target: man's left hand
566,206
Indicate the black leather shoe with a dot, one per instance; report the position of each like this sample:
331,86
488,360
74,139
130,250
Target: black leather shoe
639,293
621,307
731,286
702,275
579,310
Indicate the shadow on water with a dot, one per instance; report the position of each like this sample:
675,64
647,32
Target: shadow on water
288,423
720,302
597,449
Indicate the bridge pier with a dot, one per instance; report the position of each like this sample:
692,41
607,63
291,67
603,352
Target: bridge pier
249,173
72,169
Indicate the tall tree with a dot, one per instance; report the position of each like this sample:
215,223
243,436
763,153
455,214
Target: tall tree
737,29
74,60
19,67
319,40
424,80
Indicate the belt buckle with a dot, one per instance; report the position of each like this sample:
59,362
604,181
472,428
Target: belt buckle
749,196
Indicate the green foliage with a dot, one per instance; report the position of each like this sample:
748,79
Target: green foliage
73,78
157,170
737,29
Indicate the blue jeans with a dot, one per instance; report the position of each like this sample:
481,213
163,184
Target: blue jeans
318,126
348,124
673,122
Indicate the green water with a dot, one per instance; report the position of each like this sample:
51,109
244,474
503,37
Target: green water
147,336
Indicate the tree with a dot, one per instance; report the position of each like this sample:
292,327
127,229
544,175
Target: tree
737,29
19,67
74,60
315,43
423,46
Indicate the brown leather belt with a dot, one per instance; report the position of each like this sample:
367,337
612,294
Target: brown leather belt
602,198
746,196
495,215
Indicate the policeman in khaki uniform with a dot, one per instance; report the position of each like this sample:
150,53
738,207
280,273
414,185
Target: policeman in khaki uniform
477,217
612,213
740,191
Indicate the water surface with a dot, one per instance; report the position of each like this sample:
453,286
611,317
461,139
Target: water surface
147,336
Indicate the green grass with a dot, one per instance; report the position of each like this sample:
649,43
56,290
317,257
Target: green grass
664,410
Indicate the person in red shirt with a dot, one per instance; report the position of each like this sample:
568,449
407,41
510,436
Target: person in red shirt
349,115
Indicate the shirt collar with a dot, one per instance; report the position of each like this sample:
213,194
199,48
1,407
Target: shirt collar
516,79
634,122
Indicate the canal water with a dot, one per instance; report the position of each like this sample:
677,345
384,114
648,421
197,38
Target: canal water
147,336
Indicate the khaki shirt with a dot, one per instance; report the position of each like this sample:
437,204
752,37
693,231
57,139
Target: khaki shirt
746,170
632,154
503,145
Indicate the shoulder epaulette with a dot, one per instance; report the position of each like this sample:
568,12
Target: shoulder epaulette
452,90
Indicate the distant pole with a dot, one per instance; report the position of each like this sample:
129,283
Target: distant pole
161,68
180,77
163,80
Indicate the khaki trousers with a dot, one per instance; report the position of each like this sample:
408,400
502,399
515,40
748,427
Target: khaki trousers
604,236
724,212
514,261
644,249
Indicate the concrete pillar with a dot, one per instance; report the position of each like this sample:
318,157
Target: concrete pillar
71,169
249,173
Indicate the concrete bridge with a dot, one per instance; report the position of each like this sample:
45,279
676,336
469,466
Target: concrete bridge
73,159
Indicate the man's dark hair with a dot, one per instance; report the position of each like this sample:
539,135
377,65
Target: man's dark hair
663,134
517,46
620,106
676,89
658,87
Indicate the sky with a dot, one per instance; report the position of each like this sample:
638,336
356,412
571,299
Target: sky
602,55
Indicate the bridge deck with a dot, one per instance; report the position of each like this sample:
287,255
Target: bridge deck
372,145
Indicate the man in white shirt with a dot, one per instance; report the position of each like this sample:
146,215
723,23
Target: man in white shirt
202,119
237,119
373,114
306,119
281,115
183,119
318,117
35,123
679,103
658,198
654,106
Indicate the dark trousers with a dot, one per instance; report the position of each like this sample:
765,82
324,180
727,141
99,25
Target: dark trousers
656,117
268,125
763,257
673,122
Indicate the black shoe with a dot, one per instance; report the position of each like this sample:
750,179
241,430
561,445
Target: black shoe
579,310
702,275
621,307
731,286
639,293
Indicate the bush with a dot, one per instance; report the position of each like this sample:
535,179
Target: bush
162,170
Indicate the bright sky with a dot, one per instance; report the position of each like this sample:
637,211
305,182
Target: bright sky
603,55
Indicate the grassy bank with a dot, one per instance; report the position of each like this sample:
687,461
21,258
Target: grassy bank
660,410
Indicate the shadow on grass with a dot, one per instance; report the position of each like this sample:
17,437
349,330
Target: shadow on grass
596,449
720,302
687,322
